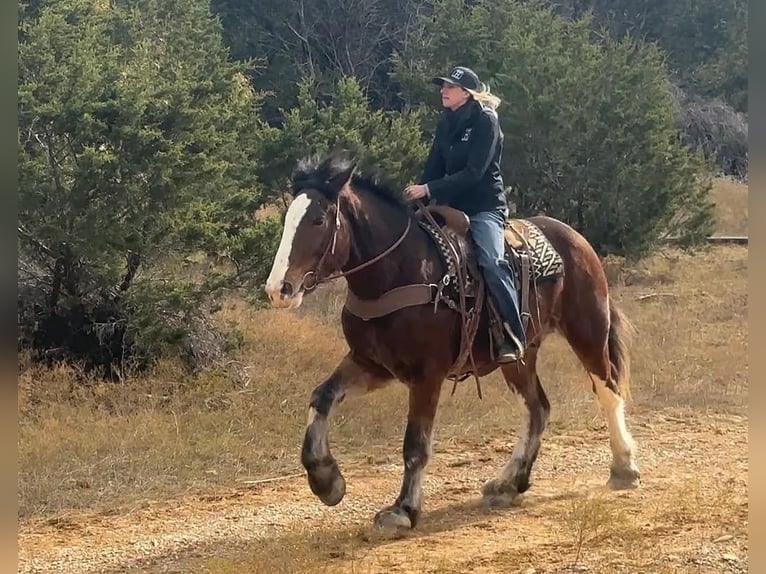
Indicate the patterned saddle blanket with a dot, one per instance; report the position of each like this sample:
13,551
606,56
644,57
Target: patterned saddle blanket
522,239
521,235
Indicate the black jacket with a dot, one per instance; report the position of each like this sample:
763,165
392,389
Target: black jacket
463,167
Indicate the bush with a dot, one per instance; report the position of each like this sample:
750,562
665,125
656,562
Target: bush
138,141
719,131
589,122
388,142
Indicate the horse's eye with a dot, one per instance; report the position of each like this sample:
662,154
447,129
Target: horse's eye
318,220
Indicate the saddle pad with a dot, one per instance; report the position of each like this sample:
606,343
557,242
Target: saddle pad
520,235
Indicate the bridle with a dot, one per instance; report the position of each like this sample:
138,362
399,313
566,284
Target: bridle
330,250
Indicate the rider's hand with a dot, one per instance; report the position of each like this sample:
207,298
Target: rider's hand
413,192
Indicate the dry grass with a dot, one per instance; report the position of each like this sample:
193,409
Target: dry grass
88,445
590,518
731,201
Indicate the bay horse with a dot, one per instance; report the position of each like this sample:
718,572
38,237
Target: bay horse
341,223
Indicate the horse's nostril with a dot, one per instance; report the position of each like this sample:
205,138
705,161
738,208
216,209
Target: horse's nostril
286,290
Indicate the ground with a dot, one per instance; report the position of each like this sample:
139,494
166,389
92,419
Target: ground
689,515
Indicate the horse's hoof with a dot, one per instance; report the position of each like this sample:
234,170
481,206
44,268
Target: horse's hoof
328,484
624,479
393,518
499,493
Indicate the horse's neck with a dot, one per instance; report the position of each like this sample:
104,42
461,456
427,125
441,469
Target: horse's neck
380,226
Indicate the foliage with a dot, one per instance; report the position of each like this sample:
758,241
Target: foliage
716,129
138,140
321,40
388,142
705,44
590,134
705,40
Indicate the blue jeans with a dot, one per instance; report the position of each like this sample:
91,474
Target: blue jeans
487,232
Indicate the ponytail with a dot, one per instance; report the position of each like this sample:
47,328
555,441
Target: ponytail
485,97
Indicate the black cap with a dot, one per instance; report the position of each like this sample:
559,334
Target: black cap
460,76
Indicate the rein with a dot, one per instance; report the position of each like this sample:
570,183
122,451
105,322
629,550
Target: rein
331,249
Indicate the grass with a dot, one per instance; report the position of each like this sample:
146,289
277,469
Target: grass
86,445
589,518
731,199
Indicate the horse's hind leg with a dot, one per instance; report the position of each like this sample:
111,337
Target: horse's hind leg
598,339
404,513
324,476
514,478
623,472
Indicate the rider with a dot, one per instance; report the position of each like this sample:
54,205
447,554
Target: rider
463,171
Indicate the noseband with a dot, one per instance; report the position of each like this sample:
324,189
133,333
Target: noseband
312,275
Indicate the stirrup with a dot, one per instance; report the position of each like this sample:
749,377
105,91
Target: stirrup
514,352
508,358
513,338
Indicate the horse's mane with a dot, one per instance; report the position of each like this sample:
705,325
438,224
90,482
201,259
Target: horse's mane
327,173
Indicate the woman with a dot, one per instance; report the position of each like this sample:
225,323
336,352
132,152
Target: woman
463,171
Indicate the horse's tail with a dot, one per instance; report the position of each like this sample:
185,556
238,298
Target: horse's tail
619,343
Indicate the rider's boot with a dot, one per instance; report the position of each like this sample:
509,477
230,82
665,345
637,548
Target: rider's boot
510,349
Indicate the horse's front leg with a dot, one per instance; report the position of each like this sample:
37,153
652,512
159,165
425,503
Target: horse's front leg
324,476
424,398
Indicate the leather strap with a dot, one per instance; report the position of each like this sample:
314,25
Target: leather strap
390,301
469,318
524,311
359,267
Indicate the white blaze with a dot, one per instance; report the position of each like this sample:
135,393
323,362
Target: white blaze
293,218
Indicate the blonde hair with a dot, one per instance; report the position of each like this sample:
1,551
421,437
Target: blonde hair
485,96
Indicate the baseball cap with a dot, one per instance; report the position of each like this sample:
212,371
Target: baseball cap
460,76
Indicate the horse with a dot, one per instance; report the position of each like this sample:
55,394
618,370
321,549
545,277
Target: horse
343,223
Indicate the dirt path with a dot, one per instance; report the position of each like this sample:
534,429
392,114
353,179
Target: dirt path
689,516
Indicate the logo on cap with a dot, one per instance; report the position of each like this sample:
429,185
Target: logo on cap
457,73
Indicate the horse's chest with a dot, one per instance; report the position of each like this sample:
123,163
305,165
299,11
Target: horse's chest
411,345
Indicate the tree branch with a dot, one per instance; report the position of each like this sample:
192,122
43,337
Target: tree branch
304,38
38,244
133,263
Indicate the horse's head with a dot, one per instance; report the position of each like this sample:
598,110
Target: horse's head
313,243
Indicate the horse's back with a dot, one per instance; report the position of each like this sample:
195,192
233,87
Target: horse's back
566,240
553,227
584,278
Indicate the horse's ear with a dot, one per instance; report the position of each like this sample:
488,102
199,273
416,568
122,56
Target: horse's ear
340,179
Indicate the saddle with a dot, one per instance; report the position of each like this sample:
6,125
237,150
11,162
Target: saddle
529,253
462,287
